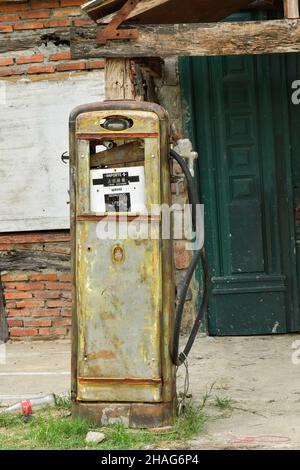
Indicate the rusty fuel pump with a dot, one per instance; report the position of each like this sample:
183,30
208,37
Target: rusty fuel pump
125,331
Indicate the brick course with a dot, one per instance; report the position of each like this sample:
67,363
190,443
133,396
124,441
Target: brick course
29,60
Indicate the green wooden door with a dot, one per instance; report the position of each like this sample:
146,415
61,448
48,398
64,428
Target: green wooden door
239,115
292,71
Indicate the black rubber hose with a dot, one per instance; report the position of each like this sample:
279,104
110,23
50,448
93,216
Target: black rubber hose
199,255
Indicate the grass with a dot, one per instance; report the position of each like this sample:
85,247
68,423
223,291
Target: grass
62,402
55,429
224,404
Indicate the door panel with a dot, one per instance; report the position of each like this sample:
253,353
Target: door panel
246,238
239,108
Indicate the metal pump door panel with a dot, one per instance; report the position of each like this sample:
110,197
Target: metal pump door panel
119,317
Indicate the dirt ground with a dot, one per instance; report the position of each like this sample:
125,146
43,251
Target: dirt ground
259,377
251,387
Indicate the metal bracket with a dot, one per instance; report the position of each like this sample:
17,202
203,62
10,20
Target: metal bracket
185,148
112,32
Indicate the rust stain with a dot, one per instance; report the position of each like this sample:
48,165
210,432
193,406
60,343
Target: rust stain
117,217
108,316
95,370
118,381
111,30
104,354
99,135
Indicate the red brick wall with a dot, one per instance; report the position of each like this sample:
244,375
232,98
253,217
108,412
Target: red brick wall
36,14
182,257
37,302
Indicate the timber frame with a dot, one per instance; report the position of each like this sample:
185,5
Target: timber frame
204,39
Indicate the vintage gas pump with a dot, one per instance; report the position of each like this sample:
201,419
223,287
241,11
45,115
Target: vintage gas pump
123,286
125,327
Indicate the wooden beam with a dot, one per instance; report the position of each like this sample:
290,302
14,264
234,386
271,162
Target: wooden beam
3,321
118,80
211,39
291,9
28,39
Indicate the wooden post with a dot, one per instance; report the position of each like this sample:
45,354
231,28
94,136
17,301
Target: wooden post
291,9
119,80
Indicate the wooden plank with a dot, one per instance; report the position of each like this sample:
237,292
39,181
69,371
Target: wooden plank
33,260
175,11
211,39
190,11
34,237
96,9
291,8
142,7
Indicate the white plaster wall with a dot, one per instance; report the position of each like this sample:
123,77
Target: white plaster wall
33,134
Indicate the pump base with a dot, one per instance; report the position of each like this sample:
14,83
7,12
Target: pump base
132,415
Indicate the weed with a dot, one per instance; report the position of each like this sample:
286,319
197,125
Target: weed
63,402
223,403
207,396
